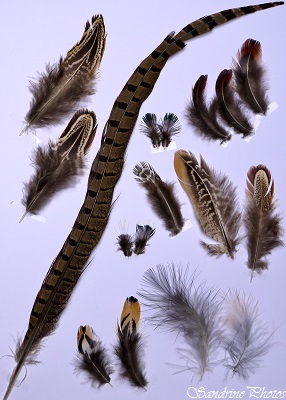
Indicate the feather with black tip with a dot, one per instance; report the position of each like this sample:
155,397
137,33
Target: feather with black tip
161,197
169,127
190,310
250,76
92,358
228,106
58,165
129,346
150,128
203,117
263,226
142,236
245,338
214,200
63,86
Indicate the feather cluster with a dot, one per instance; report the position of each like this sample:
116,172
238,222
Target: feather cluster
246,338
160,133
213,198
129,346
179,305
92,357
57,165
161,196
60,89
263,226
136,243
232,102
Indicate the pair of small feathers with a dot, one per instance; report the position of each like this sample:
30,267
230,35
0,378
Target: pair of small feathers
160,133
228,109
206,321
161,196
214,200
137,243
63,86
57,165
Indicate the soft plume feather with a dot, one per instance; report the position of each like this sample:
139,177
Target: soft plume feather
204,118
250,76
246,338
92,357
150,128
263,226
142,235
191,310
161,197
169,127
63,86
129,346
57,165
228,106
214,201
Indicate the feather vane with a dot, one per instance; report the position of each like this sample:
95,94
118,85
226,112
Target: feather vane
150,128
129,346
179,305
161,197
169,127
58,165
250,76
142,236
263,226
214,201
63,86
92,357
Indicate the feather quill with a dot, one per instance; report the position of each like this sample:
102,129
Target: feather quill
214,201
161,196
263,226
106,170
169,127
246,338
142,236
58,165
150,128
228,106
129,346
250,77
92,357
179,305
203,117
60,89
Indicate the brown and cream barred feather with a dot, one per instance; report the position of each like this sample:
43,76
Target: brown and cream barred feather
107,167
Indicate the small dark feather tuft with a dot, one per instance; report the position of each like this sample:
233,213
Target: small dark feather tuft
142,236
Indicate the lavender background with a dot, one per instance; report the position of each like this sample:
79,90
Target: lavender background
34,33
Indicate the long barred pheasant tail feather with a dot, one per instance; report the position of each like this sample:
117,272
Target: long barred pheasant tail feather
92,358
129,346
161,196
250,77
64,85
57,165
107,167
214,201
263,226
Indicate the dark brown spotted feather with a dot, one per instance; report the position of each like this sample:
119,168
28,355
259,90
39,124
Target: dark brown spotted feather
106,170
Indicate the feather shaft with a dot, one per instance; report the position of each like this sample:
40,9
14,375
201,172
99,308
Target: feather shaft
94,213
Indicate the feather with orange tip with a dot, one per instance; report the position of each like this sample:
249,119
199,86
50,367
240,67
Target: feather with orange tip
129,346
213,198
58,165
228,106
250,76
92,357
203,117
263,226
